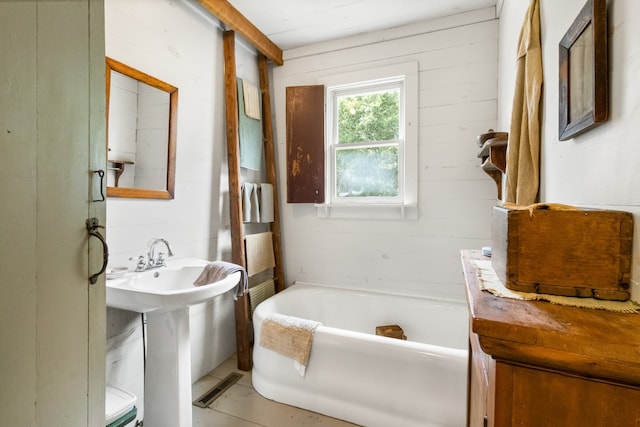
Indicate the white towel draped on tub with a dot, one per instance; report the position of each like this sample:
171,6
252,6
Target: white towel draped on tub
289,336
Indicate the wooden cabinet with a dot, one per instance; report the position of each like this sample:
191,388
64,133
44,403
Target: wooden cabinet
534,363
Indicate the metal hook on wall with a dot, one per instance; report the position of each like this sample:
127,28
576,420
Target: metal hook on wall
100,173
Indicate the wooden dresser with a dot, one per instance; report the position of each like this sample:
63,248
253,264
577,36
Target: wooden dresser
534,363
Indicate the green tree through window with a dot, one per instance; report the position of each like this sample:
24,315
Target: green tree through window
370,117
368,139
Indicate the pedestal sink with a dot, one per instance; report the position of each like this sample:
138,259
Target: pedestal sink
165,295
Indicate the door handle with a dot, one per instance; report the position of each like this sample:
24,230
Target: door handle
92,225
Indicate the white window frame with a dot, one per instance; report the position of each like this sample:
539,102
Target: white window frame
404,206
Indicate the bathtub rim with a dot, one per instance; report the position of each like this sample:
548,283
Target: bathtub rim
438,298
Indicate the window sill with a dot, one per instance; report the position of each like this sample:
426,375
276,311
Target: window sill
362,211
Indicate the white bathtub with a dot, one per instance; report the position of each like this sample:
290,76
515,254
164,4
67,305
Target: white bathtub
366,379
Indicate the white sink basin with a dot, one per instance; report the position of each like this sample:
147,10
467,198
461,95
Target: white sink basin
166,288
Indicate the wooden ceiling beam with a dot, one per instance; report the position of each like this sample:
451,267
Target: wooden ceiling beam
234,20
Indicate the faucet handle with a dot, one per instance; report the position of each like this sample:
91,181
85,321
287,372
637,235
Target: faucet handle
160,261
141,264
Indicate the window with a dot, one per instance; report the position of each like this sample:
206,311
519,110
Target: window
366,141
371,144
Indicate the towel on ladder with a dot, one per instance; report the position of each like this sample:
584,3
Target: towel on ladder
290,336
218,270
257,202
247,189
250,202
266,202
251,99
259,252
261,292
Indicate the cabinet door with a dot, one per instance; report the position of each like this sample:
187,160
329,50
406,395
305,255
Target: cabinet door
533,397
305,144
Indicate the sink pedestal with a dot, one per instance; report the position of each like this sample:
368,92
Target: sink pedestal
167,401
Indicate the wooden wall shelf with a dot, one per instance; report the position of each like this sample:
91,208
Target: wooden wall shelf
493,153
118,166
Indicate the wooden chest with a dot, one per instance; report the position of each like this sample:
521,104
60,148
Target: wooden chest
581,253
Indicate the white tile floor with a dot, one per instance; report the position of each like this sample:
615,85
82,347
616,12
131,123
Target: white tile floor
242,406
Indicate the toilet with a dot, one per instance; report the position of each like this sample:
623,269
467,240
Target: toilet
119,407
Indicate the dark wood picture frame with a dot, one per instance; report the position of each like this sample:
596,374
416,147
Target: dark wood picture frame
583,77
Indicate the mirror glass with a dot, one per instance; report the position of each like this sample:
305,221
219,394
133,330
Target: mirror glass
141,134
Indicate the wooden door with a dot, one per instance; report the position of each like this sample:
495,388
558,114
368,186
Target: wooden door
52,321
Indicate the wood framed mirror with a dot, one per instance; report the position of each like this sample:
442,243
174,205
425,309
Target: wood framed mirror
583,89
142,115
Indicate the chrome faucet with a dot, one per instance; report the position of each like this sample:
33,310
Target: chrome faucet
152,260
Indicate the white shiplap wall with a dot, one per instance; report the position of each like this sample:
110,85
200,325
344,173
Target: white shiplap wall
458,58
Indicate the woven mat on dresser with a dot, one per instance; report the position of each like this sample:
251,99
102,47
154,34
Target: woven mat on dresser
490,282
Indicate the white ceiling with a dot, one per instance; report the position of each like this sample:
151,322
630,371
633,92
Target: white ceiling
294,23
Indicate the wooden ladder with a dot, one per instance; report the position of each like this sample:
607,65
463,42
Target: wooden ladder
242,313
